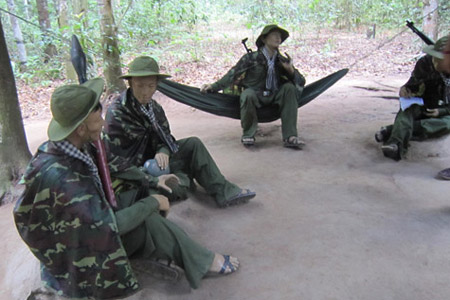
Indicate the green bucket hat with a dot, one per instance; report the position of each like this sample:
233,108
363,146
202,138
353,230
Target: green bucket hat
70,105
437,50
143,66
266,30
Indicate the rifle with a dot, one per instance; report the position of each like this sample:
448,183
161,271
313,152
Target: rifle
78,59
282,58
244,41
424,38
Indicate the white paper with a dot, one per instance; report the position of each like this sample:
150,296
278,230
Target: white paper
407,102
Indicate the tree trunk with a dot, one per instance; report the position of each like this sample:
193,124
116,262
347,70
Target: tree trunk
26,5
17,33
431,18
14,153
80,8
44,22
63,22
111,55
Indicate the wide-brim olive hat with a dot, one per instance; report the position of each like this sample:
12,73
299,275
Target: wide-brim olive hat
269,28
143,66
71,105
437,50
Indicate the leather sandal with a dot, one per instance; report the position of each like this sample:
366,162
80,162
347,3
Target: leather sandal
294,142
248,141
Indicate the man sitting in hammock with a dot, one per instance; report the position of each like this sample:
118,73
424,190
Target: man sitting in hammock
268,79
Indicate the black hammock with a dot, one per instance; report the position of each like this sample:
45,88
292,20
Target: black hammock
228,105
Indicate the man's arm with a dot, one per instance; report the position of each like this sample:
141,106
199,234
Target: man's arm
228,79
131,217
415,86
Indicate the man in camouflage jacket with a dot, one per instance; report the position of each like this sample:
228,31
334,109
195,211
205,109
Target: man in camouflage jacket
63,216
430,82
268,79
137,130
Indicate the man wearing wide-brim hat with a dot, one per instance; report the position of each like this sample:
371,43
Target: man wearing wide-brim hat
268,79
137,129
63,216
431,82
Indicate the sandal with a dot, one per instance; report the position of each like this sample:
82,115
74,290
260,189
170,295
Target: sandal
294,142
248,141
227,264
444,174
243,197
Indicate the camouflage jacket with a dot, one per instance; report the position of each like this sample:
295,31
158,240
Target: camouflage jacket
71,229
425,82
129,134
251,72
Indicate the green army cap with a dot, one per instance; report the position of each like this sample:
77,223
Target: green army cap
143,66
437,50
71,105
266,30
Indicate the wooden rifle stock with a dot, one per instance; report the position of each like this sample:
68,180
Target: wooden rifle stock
78,59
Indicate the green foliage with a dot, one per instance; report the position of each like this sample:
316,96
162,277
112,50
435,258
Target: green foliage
169,27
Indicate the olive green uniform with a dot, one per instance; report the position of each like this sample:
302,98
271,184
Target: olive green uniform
412,123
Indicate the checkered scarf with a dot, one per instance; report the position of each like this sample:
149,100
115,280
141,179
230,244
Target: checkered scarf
72,151
167,138
271,79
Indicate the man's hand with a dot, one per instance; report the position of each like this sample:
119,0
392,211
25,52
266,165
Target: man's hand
432,112
288,65
206,88
163,180
162,160
405,92
164,204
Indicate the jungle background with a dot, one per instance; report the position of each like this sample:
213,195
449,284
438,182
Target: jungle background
337,220
196,42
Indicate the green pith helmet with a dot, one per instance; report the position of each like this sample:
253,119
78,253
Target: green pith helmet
267,29
71,105
437,50
143,66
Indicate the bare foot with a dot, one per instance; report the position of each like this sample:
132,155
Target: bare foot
224,264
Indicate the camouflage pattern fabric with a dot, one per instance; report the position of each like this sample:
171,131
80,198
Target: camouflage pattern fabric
251,71
425,82
128,132
71,229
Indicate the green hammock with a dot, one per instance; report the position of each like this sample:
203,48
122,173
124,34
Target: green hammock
228,105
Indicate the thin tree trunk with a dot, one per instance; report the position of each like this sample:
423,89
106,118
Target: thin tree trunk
63,22
111,55
80,8
44,22
17,33
26,5
14,153
431,18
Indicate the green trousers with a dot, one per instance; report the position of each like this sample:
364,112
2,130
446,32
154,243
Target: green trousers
286,101
159,238
193,161
412,124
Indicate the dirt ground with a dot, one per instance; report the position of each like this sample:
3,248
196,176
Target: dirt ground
334,221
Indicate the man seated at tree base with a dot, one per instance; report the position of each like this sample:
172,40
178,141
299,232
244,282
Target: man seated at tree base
63,215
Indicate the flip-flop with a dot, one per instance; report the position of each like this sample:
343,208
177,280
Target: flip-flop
227,264
244,196
248,141
444,174
294,142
